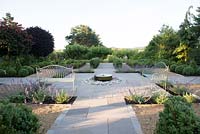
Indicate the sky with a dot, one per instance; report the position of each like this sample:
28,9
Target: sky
119,23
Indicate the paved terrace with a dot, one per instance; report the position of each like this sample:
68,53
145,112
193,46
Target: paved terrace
100,109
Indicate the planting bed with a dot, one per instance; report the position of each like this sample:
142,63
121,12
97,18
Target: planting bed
148,115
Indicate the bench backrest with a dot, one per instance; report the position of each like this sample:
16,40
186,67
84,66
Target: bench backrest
55,73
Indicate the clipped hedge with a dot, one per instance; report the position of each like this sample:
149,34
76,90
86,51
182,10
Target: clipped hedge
189,71
23,72
173,67
94,62
11,72
178,117
17,119
117,62
2,73
179,69
30,69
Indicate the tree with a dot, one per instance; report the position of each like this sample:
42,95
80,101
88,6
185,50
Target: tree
43,41
163,44
14,40
83,35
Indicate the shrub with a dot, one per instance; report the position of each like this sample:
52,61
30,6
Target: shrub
76,51
17,98
2,73
29,68
23,72
117,62
139,99
38,96
179,69
11,72
178,117
17,119
180,90
159,98
188,70
62,97
198,71
173,67
94,62
189,98
99,51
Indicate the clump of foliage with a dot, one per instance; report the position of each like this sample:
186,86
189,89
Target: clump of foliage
180,90
14,40
17,98
2,73
137,99
83,35
76,51
159,98
117,62
178,117
173,67
61,97
94,62
43,41
189,97
17,119
98,51
10,72
30,69
179,69
38,96
188,70
23,72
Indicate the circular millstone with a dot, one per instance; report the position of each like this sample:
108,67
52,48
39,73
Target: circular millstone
103,77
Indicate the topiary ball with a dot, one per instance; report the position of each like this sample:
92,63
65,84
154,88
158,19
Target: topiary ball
179,69
173,67
198,71
11,72
23,72
29,68
189,71
2,73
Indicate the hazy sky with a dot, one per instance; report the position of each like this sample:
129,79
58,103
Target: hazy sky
120,23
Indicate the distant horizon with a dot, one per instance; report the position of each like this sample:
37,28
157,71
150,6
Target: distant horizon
119,24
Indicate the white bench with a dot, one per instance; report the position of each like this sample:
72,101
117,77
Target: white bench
56,73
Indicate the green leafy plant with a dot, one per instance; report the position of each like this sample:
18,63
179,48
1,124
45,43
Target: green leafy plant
17,119
159,98
94,62
138,99
61,97
38,96
11,72
17,98
117,62
178,117
180,90
2,73
23,72
188,70
29,68
179,69
173,67
189,97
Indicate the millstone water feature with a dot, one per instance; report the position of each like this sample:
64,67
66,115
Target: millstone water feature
103,80
103,77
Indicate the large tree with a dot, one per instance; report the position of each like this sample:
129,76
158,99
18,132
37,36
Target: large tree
163,44
83,35
14,40
43,41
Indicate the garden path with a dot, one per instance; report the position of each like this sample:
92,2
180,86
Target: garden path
100,109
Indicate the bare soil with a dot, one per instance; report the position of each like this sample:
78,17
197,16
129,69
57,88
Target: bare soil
148,115
47,114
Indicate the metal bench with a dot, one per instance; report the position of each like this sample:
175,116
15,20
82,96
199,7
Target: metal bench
56,73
